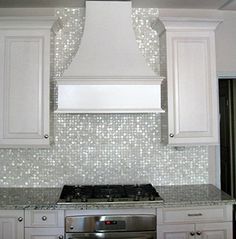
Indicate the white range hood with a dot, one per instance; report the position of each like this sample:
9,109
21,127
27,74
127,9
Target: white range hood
109,74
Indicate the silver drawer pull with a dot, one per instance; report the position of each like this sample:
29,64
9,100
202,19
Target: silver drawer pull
195,214
44,218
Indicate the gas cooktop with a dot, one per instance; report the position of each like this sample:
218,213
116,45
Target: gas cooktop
109,193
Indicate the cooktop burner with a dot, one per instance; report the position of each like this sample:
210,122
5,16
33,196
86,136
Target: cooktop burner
108,193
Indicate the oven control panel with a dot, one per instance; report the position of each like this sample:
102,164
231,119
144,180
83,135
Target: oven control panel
110,223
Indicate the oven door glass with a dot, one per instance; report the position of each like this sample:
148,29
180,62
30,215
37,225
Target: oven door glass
112,235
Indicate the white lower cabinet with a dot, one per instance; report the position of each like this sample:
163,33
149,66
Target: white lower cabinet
213,222
43,233
196,231
175,231
214,230
11,224
44,224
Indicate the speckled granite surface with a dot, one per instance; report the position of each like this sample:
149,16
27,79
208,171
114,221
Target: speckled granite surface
174,196
20,198
193,195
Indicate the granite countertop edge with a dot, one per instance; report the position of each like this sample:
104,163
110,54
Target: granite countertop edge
173,196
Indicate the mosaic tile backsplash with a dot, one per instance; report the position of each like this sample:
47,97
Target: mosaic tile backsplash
103,148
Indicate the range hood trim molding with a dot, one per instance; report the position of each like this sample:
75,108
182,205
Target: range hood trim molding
110,81
69,89
162,24
108,111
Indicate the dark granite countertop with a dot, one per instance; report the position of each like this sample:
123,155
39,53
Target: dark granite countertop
174,196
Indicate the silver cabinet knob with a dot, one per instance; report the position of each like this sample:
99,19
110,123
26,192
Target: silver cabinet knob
71,227
192,234
46,136
20,219
60,237
44,218
172,135
199,233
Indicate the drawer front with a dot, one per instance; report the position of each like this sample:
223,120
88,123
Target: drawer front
44,218
44,233
211,214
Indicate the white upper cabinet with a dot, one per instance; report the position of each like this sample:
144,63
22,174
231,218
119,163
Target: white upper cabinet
191,80
24,81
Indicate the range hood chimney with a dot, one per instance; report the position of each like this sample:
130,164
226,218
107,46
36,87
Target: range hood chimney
109,74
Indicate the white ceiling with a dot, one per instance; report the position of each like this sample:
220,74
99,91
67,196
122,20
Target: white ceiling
194,4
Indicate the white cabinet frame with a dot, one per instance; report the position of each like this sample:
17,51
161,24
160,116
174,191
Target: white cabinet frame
24,81
192,86
11,224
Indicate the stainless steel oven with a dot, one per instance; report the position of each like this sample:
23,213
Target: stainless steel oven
111,226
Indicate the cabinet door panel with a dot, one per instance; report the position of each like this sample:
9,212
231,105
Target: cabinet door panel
175,231
214,235
10,227
190,83
23,87
44,237
176,235
44,218
42,233
192,88
7,228
215,230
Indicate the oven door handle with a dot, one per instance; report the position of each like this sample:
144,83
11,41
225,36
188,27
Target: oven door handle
119,235
123,236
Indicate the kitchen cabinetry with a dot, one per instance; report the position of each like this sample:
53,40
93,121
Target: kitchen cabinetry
213,222
11,224
24,81
49,233
188,48
176,231
214,230
45,224
196,231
